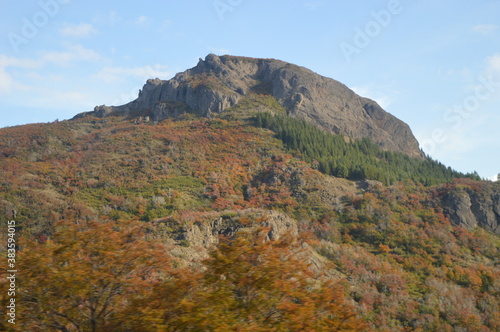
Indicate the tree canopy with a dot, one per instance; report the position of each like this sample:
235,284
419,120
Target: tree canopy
354,159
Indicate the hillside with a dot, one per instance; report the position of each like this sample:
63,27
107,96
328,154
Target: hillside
161,215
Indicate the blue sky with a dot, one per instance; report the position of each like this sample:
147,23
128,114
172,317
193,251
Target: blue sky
433,64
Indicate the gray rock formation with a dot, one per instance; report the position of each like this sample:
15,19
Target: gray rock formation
471,207
219,82
197,238
206,234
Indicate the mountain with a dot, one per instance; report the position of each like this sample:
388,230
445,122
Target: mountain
218,201
220,82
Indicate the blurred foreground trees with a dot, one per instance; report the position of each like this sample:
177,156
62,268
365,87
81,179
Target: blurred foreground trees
108,276
249,284
82,275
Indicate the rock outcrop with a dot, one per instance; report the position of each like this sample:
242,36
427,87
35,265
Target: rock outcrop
220,82
206,233
469,207
195,239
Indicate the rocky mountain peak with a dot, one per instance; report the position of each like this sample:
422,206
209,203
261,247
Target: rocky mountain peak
220,82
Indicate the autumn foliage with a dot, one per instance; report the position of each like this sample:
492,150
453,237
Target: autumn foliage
78,278
251,284
71,185
107,276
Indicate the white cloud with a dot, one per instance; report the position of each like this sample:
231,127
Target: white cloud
364,91
80,30
66,98
110,19
475,133
219,51
142,20
13,71
491,74
7,83
485,29
360,90
115,74
113,18
6,61
494,62
312,5
494,177
74,53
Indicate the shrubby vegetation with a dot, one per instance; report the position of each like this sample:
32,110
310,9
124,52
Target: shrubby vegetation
72,186
410,269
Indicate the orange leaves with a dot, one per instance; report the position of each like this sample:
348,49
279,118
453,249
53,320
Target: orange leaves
254,284
249,283
106,276
384,249
84,273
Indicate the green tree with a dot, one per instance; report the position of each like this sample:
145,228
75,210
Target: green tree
358,159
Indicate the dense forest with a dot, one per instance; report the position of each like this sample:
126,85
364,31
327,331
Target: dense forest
354,159
196,224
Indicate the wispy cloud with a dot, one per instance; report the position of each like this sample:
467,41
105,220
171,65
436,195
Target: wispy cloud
494,178
141,20
219,51
6,61
485,29
492,74
312,5
78,30
17,73
110,19
7,82
364,91
494,63
165,27
115,74
65,98
456,144
74,53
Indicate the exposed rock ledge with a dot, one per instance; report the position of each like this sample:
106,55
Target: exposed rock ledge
198,237
470,207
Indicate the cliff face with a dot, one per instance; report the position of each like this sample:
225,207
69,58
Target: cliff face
194,240
469,207
219,82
